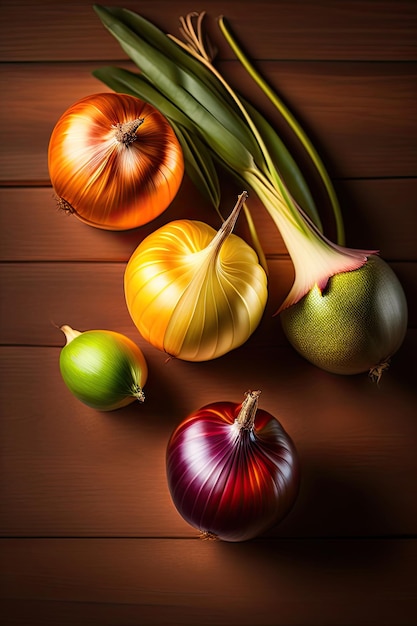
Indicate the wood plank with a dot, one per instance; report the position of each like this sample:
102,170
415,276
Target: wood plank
71,471
320,30
91,295
86,295
33,229
361,116
296,583
89,533
378,214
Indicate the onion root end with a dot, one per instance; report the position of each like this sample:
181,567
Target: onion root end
376,372
205,535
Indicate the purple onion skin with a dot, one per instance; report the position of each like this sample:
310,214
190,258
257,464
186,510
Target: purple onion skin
229,482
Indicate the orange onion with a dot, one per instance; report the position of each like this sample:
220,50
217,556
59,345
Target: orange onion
114,161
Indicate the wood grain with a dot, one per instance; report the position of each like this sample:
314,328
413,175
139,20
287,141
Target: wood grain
361,117
34,230
91,296
72,471
132,582
89,535
322,29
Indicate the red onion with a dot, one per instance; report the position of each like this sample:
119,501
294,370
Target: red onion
232,470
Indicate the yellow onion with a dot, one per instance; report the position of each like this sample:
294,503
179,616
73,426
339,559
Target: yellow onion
102,368
354,325
114,161
194,293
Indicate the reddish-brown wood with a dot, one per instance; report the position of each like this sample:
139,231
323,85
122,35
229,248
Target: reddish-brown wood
360,116
91,295
89,533
322,29
196,582
68,469
32,229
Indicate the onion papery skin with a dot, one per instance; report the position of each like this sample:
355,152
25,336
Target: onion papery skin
189,300
355,325
228,482
104,369
108,183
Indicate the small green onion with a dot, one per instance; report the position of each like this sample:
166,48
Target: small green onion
103,369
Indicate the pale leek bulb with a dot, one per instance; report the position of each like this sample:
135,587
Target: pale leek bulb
194,293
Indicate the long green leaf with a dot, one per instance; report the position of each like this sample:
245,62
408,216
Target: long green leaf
286,165
159,40
218,119
222,127
125,81
199,166
193,75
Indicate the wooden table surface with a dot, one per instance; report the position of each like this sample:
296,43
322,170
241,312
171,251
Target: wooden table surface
89,534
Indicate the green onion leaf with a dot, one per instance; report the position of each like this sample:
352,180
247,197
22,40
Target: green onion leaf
286,165
199,165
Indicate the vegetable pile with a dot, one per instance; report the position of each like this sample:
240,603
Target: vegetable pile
213,121
116,161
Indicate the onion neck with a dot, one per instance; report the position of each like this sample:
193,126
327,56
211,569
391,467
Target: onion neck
203,263
247,413
228,225
206,258
125,133
69,333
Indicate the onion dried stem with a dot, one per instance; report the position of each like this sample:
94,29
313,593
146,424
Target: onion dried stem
228,225
247,413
